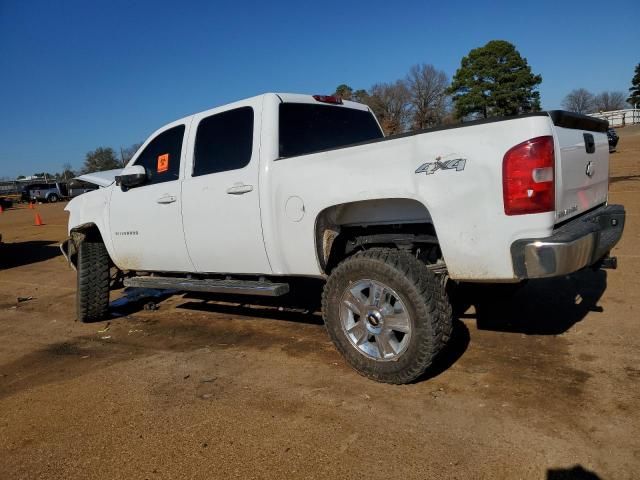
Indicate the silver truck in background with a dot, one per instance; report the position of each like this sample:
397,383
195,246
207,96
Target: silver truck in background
54,192
48,192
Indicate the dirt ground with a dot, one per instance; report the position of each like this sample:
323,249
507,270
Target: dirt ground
545,386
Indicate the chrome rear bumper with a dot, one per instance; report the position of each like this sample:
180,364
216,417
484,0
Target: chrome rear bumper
575,245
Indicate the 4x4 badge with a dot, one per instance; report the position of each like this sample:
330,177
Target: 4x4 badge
430,168
591,169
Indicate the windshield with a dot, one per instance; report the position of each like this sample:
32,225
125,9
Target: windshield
307,128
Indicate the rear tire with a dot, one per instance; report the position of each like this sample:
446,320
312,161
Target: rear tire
411,315
93,281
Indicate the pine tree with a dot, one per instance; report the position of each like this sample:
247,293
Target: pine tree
634,91
495,80
344,91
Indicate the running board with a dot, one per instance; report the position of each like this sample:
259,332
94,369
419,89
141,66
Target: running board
233,287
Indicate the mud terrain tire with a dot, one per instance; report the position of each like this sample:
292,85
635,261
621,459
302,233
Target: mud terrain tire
421,294
93,281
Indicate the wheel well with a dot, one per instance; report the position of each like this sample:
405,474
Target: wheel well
405,224
86,231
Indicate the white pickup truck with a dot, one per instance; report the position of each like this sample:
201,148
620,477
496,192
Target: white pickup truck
243,197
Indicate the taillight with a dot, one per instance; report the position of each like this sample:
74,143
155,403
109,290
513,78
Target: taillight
328,99
528,177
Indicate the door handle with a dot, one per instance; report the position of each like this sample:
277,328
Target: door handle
239,189
166,199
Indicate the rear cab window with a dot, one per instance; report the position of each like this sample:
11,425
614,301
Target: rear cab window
307,128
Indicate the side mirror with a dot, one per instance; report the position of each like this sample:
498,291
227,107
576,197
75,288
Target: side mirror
132,176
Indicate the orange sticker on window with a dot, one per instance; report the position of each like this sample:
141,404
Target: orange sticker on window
163,163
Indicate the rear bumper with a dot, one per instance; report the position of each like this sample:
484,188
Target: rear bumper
575,245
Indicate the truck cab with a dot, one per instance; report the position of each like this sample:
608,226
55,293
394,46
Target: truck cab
200,192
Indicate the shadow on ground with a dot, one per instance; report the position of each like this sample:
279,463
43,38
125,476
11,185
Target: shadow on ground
574,473
541,307
452,352
301,304
24,253
623,178
134,299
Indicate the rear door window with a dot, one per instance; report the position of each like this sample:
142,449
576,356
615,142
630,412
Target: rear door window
224,142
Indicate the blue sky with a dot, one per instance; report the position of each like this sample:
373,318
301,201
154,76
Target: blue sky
75,75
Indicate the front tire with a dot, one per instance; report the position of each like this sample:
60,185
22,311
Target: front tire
53,198
93,281
387,314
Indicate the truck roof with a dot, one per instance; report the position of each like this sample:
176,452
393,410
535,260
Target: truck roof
304,98
284,98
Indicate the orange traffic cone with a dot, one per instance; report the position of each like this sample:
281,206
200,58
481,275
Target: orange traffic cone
38,221
1,209
30,205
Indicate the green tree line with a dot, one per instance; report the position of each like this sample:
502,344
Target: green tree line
493,80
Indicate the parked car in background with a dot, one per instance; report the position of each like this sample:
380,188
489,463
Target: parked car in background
27,192
6,202
613,139
24,195
48,192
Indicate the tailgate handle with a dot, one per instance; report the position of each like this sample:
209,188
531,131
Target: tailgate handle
589,143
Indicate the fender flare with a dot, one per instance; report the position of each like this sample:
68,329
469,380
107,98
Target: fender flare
77,235
330,221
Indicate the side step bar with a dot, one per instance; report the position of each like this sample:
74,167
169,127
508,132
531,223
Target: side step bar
235,287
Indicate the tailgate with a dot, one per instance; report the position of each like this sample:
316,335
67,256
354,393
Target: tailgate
582,163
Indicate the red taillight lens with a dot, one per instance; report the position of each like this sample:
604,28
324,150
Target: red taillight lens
328,99
528,184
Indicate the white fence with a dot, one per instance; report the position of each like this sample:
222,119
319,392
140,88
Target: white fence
620,118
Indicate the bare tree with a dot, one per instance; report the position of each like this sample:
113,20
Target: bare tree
427,87
67,172
360,96
607,101
579,100
391,104
127,153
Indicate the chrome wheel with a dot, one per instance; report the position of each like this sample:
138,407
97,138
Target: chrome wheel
375,320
